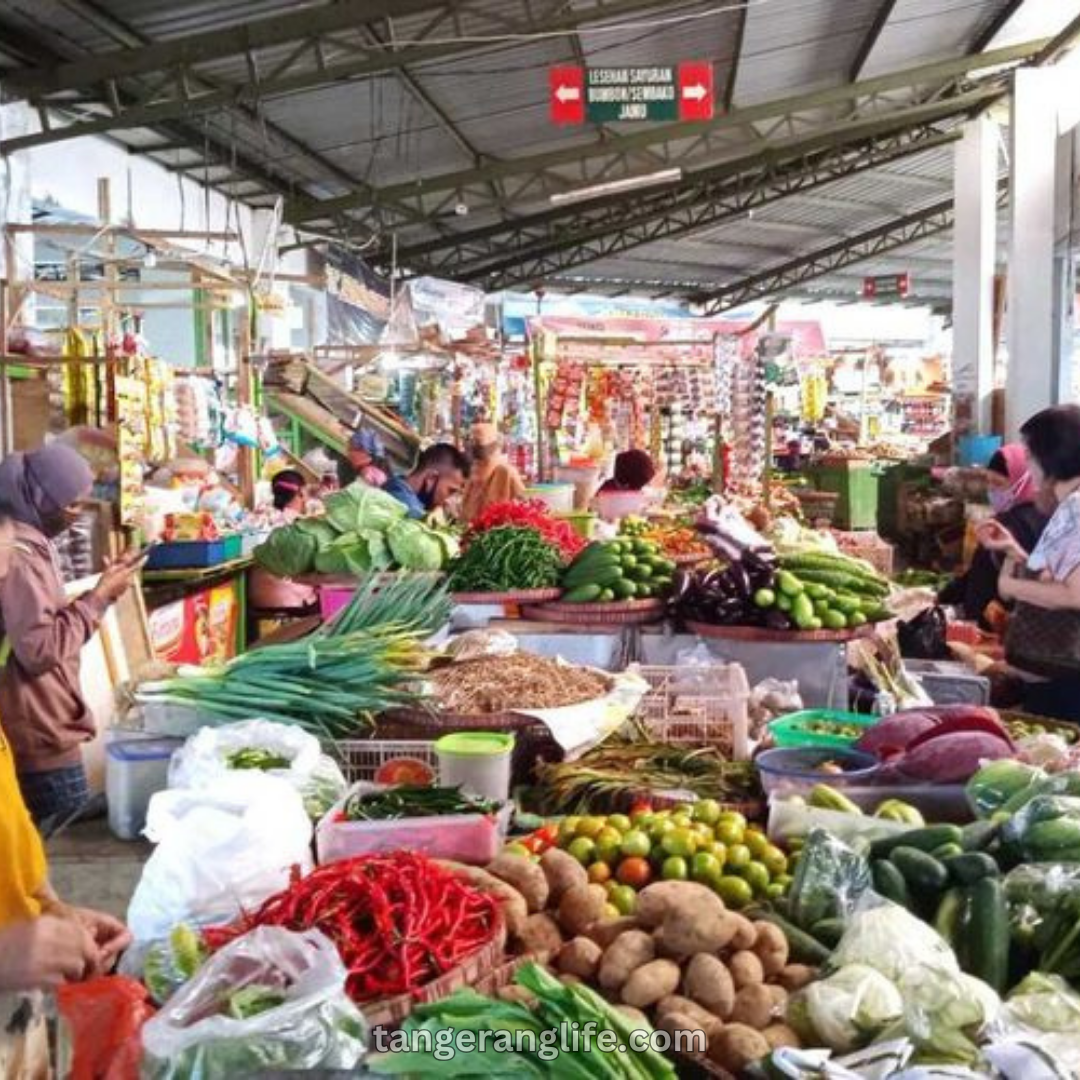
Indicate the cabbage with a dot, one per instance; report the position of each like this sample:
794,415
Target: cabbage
360,507
944,1011
353,554
287,552
890,939
849,1009
320,528
415,546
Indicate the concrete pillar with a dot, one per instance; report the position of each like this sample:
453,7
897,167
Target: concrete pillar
1033,369
974,257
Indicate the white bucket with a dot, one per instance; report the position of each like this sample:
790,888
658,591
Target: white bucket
477,761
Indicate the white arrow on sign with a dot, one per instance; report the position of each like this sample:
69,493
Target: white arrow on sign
694,92
568,93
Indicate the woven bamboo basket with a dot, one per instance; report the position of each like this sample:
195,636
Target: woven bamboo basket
512,596
620,613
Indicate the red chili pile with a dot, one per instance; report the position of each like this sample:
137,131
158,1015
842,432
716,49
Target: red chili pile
399,920
529,513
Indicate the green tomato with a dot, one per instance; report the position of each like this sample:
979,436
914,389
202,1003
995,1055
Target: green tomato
624,898
635,843
734,891
756,876
706,867
608,843
674,868
681,842
620,822
583,848
738,856
707,811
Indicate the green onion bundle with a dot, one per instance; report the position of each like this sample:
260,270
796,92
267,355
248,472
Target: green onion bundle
333,682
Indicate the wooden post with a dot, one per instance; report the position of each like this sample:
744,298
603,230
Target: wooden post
245,396
105,381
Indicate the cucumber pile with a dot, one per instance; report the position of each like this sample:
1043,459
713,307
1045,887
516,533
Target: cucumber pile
613,570
824,599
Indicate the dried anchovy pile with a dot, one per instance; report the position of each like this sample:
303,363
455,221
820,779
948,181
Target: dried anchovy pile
497,684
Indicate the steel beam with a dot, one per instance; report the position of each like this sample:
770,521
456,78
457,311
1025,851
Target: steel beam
716,191
785,277
866,46
940,76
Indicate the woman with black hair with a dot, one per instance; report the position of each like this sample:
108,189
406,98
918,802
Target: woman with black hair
288,491
1048,577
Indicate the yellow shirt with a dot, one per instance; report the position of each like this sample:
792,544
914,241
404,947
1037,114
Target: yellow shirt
22,870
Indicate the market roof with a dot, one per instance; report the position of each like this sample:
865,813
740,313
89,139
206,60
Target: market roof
420,129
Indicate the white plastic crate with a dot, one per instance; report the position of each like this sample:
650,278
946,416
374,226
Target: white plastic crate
361,759
697,705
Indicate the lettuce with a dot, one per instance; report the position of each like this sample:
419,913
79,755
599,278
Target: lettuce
287,552
360,507
353,554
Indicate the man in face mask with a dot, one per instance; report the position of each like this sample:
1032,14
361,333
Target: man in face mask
439,476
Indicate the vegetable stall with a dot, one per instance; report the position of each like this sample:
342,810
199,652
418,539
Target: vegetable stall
506,837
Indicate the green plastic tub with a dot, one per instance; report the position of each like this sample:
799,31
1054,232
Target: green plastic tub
802,728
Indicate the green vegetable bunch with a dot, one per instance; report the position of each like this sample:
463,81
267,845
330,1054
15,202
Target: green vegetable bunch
506,558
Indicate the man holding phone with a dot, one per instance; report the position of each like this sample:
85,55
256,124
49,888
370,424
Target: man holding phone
42,708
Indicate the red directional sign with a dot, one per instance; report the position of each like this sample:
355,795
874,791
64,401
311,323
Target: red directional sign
887,285
567,95
695,83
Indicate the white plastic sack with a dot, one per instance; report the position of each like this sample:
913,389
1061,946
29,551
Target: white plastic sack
219,851
205,758
315,1026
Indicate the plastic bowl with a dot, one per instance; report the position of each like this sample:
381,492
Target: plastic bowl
795,770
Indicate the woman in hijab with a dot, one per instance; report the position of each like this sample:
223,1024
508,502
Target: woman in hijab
633,471
1012,493
44,714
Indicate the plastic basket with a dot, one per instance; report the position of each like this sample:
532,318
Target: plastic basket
950,683
697,705
186,554
361,759
796,729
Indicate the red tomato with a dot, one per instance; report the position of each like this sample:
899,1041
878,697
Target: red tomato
405,771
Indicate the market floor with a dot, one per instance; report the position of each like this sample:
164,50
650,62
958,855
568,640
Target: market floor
90,867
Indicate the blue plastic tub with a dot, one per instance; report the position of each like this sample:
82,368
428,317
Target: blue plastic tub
187,554
797,770
976,450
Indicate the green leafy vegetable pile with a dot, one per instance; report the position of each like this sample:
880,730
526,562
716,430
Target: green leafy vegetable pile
364,530
409,800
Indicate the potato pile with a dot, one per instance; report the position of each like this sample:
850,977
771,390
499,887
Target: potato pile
682,960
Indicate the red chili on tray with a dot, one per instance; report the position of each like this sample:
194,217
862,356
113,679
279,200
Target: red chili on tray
529,513
399,920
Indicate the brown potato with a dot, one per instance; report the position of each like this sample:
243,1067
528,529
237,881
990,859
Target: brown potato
580,907
746,935
707,981
737,1046
685,1029
656,900
745,969
753,1006
525,876
771,948
629,951
780,1035
606,931
698,1016
705,930
540,935
563,872
579,957
650,982
796,976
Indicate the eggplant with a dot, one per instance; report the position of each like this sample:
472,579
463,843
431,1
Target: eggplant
738,575
681,585
777,620
760,560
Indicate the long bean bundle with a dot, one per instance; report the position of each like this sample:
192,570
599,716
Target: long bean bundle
333,682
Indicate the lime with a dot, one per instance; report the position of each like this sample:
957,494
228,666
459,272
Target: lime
516,849
703,832
583,849
643,820
599,872
729,832
620,822
733,815
756,876
705,867
738,856
775,891
590,826
774,860
682,820
568,829
660,828
681,842
635,843
707,810
717,850
624,899
734,891
756,841
674,868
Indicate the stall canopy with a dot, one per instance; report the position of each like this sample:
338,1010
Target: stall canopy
421,130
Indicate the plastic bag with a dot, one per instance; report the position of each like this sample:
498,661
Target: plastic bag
263,746
1045,829
923,638
1045,1011
792,818
101,1021
998,782
829,881
1044,909
476,644
273,999
219,851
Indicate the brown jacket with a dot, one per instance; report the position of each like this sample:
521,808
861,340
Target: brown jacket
41,703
